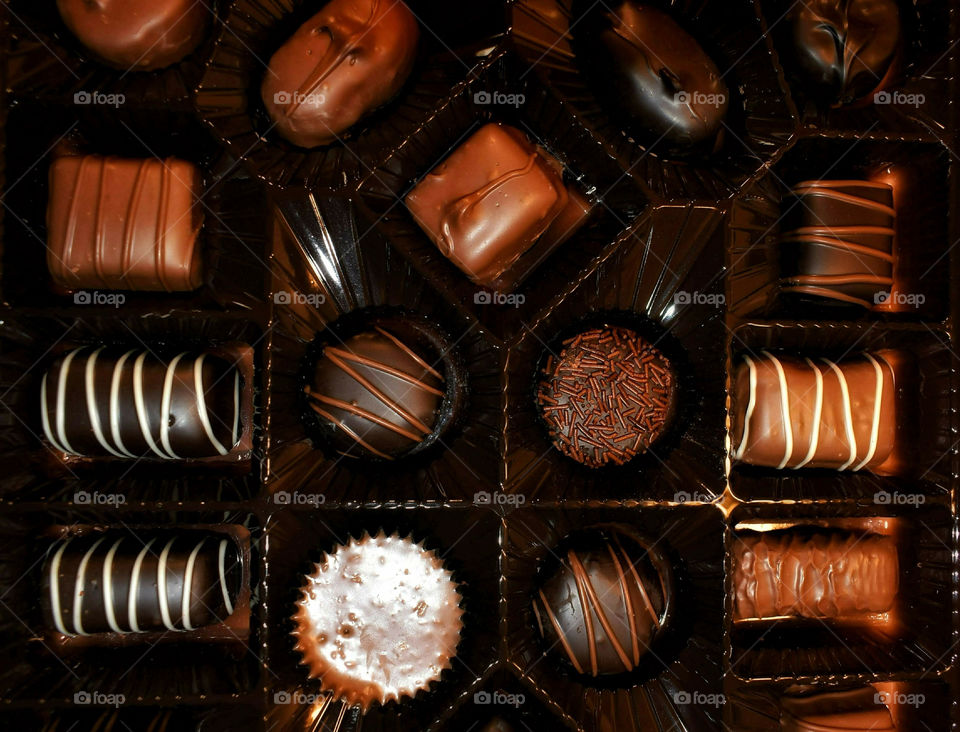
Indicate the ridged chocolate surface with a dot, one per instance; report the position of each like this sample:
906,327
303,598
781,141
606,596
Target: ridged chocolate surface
125,583
820,576
106,402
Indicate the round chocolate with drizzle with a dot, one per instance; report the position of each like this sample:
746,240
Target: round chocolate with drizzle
119,582
375,395
607,397
606,603
379,620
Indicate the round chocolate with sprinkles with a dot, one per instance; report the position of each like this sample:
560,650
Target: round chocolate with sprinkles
607,397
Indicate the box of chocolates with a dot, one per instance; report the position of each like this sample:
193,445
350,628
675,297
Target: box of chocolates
417,366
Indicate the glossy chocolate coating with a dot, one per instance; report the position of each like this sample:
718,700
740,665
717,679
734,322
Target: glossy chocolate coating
124,223
347,60
379,620
376,395
492,199
140,35
605,605
121,582
838,240
834,575
130,404
643,63
813,412
845,48
836,711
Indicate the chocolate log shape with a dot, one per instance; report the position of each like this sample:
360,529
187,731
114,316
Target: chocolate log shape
820,576
840,242
119,582
100,402
813,412
124,223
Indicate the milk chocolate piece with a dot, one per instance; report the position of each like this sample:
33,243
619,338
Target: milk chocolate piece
347,60
121,582
814,413
379,620
124,223
491,200
846,48
131,404
376,395
607,398
826,575
644,64
838,241
836,711
139,35
606,604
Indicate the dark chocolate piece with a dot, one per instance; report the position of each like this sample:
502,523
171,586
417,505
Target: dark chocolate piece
608,396
833,575
124,224
494,197
121,582
846,48
606,604
815,413
107,402
347,60
376,395
140,35
666,87
838,242
836,711
379,620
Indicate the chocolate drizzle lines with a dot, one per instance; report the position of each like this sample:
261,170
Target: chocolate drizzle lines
607,397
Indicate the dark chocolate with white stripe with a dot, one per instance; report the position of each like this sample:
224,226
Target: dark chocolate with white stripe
101,402
120,582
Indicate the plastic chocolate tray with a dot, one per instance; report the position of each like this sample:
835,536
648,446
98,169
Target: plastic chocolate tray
300,245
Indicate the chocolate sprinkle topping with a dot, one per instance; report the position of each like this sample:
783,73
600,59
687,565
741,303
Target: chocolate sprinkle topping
608,396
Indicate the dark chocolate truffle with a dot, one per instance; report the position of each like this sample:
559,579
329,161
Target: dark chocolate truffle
379,619
644,65
851,710
124,224
786,573
606,604
491,200
607,397
845,48
815,413
347,60
139,35
375,395
120,582
102,402
838,241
